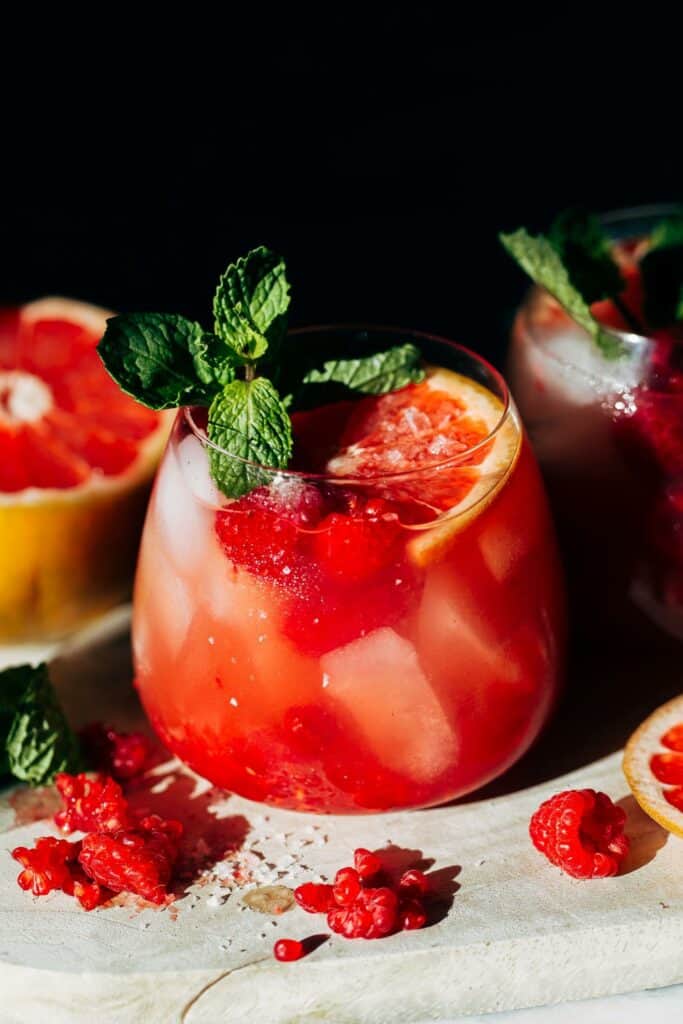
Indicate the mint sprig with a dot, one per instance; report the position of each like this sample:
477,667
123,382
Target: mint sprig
585,252
542,262
248,419
36,741
165,361
251,303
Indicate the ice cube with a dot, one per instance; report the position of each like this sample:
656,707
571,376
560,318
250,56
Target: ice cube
164,601
183,521
380,684
194,466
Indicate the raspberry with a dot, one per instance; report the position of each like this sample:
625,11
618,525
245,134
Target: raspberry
413,884
581,832
346,886
314,899
138,860
92,804
366,863
371,915
411,914
120,754
46,866
354,548
261,532
288,949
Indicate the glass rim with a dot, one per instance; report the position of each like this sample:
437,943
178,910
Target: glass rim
356,480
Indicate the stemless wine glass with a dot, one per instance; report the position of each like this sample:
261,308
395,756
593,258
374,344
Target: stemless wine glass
608,433
350,640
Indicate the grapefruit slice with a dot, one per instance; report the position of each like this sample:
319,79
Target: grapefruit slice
435,434
76,458
653,765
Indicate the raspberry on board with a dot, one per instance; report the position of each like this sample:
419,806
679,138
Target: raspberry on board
366,863
286,950
414,884
581,831
92,803
313,898
138,860
47,865
411,914
120,754
346,886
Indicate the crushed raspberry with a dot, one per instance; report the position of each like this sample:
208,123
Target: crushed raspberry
346,886
47,865
358,910
366,863
413,884
581,832
138,860
372,915
261,531
411,915
120,754
288,949
356,547
93,803
314,899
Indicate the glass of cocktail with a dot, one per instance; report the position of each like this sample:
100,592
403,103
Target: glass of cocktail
607,427
378,626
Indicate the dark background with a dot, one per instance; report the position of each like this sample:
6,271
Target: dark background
380,153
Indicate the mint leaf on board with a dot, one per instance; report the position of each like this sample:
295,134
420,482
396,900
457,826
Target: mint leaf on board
586,255
375,374
249,421
39,742
251,302
662,273
163,360
538,257
13,682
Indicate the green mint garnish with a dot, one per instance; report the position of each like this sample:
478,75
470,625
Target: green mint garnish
35,739
248,420
251,302
542,262
165,361
662,273
371,375
586,255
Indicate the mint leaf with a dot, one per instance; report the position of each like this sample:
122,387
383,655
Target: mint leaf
541,261
13,682
39,742
251,302
662,273
585,253
248,420
374,374
163,360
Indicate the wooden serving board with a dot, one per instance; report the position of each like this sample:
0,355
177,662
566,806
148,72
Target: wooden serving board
510,930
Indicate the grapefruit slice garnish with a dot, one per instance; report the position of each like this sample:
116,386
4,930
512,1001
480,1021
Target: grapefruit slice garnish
76,456
446,445
653,765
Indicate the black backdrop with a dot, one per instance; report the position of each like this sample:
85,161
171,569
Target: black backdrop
380,154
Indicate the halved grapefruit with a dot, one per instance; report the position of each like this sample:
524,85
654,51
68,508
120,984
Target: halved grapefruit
653,765
76,458
431,437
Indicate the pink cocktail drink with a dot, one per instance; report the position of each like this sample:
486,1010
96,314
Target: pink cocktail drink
380,627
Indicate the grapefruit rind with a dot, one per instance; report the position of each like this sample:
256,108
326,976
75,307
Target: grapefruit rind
643,744
432,543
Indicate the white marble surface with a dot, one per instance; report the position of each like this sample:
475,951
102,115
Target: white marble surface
656,1006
